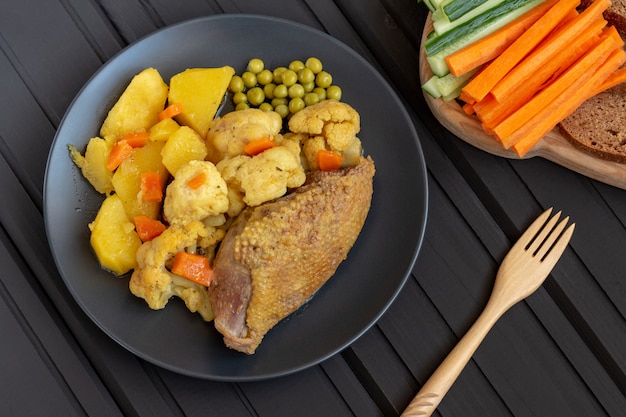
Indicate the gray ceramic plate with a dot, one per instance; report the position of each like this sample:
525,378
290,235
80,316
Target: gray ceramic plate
365,284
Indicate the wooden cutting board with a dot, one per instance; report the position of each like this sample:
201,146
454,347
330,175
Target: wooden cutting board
553,146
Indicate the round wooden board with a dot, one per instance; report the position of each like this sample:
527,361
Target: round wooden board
553,146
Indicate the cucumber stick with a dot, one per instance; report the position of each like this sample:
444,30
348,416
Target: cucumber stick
458,8
448,87
438,47
442,22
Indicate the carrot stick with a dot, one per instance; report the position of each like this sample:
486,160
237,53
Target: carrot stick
194,267
329,160
612,80
468,109
491,112
484,82
553,45
582,68
565,104
257,146
148,228
489,47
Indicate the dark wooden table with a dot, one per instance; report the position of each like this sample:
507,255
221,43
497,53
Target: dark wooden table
562,352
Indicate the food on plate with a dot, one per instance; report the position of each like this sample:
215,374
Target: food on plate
199,92
277,255
615,14
113,237
550,59
187,193
597,126
286,90
138,107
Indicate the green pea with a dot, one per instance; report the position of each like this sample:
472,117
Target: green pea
309,87
306,75
240,97
266,107
311,99
255,65
281,91
242,106
278,74
321,93
278,101
295,105
333,92
296,90
236,84
255,96
282,109
249,79
289,77
314,64
323,79
265,77
268,90
296,65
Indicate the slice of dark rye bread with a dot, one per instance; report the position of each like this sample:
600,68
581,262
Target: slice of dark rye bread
598,126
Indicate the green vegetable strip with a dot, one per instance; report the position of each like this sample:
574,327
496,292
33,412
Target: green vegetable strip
457,8
441,42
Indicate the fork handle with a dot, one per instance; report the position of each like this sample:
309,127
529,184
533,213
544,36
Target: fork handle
433,391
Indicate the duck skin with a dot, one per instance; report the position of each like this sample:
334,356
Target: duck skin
277,255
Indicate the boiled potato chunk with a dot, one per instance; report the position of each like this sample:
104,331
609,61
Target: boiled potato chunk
200,91
127,180
183,146
113,237
138,107
162,131
94,164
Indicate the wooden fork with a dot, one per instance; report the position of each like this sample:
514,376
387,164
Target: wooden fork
522,271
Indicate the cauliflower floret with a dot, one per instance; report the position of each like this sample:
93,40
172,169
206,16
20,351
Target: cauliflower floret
228,168
229,134
156,285
188,199
330,125
264,177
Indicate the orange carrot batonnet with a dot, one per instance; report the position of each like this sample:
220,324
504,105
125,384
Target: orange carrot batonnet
553,45
612,80
565,104
583,68
487,79
493,112
489,47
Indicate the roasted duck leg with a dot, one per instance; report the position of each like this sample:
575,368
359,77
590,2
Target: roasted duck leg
276,256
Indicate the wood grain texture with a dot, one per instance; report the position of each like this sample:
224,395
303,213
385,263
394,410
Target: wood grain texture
553,146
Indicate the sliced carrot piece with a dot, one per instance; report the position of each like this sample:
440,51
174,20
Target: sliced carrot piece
119,152
612,80
490,46
171,111
148,228
257,146
485,81
151,187
194,267
329,160
136,139
197,181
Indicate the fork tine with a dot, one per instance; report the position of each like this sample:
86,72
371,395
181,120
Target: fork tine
555,253
551,238
538,240
528,236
